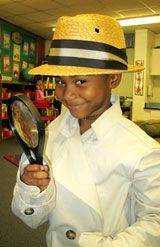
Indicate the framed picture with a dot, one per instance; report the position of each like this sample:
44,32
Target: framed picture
25,48
32,47
139,79
16,70
6,63
6,41
16,52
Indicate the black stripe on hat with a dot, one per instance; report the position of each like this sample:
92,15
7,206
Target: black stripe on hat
89,45
85,62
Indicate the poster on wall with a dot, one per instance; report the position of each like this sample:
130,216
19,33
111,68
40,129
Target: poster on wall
24,64
32,47
6,41
16,70
16,52
139,79
25,48
6,63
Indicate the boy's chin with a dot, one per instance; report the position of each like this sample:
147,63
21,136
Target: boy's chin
77,115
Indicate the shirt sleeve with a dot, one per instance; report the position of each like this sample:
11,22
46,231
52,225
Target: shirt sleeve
145,211
31,205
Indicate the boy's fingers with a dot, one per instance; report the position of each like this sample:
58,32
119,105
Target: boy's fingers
41,183
36,175
40,174
35,167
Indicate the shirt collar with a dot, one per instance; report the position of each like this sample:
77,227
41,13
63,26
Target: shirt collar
107,120
69,124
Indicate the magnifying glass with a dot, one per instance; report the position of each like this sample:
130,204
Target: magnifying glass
28,127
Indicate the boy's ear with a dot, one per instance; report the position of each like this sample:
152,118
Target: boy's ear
115,80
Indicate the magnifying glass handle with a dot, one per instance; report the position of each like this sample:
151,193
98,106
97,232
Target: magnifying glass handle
33,156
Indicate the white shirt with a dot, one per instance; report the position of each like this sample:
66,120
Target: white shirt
107,185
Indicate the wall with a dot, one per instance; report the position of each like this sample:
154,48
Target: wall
157,40
126,86
155,80
47,46
156,89
144,42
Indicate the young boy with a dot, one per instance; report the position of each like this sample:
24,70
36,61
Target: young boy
101,184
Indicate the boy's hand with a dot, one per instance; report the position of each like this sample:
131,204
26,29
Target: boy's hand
37,175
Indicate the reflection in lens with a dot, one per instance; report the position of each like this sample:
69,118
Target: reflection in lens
24,124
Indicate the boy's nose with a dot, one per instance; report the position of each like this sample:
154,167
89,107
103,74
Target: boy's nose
69,93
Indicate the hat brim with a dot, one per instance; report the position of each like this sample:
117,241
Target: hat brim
59,70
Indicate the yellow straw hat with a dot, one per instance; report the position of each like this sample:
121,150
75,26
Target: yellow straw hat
86,44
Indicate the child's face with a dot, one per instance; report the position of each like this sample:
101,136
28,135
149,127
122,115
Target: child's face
86,95
41,86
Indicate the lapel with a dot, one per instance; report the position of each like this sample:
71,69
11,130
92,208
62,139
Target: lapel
72,171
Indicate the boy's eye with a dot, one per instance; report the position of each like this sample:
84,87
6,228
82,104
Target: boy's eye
80,82
58,82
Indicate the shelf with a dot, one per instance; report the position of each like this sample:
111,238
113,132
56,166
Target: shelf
6,137
152,105
8,89
155,62
17,83
5,117
47,118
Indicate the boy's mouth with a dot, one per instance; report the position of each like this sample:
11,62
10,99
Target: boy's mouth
73,106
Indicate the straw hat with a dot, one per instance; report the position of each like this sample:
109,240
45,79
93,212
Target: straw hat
86,44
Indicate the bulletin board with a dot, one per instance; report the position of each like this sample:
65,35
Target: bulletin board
18,49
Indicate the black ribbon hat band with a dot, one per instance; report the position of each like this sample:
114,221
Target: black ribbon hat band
87,54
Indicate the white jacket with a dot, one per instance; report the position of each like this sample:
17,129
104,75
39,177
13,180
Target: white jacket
107,185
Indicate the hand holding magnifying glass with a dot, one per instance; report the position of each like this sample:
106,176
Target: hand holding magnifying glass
28,127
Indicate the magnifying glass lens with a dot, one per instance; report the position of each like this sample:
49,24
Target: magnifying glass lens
28,127
24,124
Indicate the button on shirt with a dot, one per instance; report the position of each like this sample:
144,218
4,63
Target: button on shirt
71,234
29,211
